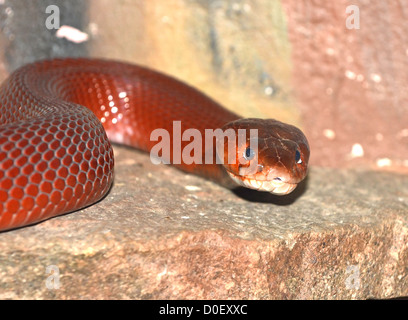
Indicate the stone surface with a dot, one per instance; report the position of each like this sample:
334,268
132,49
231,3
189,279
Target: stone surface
162,234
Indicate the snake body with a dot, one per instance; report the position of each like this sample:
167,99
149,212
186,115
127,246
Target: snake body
57,118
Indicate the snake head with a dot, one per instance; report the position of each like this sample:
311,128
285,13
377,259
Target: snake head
264,154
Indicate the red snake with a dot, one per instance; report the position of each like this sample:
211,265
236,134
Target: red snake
55,156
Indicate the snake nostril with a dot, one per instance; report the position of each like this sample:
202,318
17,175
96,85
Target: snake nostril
277,179
260,168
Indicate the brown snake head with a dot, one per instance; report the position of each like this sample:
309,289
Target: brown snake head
274,158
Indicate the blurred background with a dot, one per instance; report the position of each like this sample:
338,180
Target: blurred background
337,69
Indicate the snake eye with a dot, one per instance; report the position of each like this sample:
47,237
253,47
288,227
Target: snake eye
249,154
298,159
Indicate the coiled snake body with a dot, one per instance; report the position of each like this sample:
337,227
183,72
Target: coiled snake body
55,156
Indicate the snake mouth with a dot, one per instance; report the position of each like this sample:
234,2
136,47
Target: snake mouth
275,186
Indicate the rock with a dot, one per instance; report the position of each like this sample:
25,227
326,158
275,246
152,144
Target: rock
162,234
